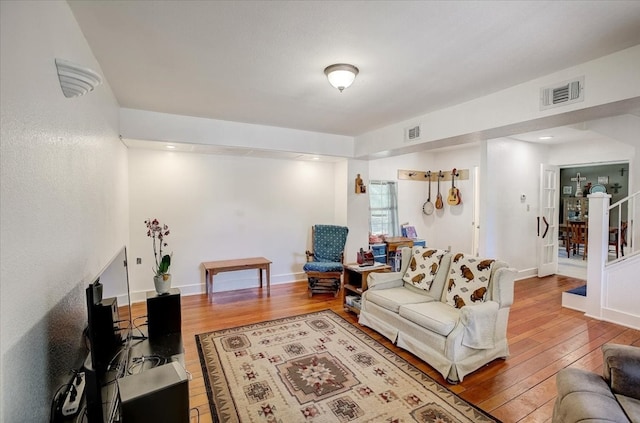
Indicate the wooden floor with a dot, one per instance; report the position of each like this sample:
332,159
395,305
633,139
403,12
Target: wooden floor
543,338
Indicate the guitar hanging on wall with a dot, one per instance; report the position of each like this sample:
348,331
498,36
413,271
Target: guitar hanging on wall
454,193
427,208
439,203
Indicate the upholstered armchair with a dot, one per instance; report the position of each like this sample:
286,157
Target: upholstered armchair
325,263
584,396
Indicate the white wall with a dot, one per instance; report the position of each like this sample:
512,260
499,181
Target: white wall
604,150
449,226
453,225
356,207
146,125
619,293
411,194
226,207
626,129
509,226
63,205
620,143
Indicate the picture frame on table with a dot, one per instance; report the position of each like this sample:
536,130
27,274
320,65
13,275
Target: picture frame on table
566,190
409,232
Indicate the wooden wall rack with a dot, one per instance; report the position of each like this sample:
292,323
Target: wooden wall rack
419,175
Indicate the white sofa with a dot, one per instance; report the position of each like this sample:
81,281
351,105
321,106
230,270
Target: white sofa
451,310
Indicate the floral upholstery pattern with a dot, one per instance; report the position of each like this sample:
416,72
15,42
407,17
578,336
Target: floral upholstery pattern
323,266
328,242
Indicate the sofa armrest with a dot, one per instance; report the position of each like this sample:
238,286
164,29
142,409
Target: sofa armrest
621,365
502,286
479,322
384,280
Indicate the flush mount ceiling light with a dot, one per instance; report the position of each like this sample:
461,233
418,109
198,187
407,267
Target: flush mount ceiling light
341,75
76,80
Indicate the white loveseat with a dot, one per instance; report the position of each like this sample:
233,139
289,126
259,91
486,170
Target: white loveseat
450,310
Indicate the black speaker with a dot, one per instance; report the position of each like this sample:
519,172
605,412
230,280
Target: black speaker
163,313
160,394
104,332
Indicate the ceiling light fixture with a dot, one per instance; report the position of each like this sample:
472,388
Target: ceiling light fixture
171,147
545,137
341,75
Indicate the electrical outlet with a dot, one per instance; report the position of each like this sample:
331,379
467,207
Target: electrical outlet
74,395
138,260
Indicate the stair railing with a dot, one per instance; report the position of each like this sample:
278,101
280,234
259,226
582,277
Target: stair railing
627,213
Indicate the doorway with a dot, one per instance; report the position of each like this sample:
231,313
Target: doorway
576,182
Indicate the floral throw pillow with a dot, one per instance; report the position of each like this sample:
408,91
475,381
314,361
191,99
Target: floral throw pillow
468,280
423,267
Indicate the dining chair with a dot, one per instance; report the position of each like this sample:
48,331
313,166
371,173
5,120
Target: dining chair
578,236
621,233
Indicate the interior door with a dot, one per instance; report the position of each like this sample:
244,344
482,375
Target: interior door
548,220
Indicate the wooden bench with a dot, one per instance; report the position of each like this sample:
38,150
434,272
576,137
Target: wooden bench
212,268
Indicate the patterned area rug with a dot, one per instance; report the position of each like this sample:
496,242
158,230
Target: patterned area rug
318,367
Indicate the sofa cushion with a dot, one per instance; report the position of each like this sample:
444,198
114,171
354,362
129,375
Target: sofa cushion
322,266
393,298
423,266
435,316
468,280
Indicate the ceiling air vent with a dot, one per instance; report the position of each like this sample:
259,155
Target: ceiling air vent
413,133
563,93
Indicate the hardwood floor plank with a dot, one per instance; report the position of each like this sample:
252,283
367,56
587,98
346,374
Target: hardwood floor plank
543,339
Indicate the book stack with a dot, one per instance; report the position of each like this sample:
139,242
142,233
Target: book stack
353,301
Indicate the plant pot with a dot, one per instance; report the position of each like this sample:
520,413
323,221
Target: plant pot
162,283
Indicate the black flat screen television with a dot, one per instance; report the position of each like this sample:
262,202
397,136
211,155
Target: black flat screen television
109,327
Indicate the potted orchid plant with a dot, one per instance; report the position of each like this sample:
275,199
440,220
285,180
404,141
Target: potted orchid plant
158,232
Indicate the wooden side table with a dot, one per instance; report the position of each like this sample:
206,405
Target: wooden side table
355,283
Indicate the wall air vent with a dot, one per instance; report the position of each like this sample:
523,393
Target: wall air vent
412,134
563,93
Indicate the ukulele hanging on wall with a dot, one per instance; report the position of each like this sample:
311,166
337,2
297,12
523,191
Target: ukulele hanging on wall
439,203
454,193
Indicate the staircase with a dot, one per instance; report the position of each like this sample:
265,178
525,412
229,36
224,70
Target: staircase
613,284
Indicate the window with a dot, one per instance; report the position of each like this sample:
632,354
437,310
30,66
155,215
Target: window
383,208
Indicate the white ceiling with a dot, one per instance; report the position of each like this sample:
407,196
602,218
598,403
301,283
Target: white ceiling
262,62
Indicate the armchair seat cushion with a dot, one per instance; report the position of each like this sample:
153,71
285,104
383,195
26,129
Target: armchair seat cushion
393,298
435,316
322,266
